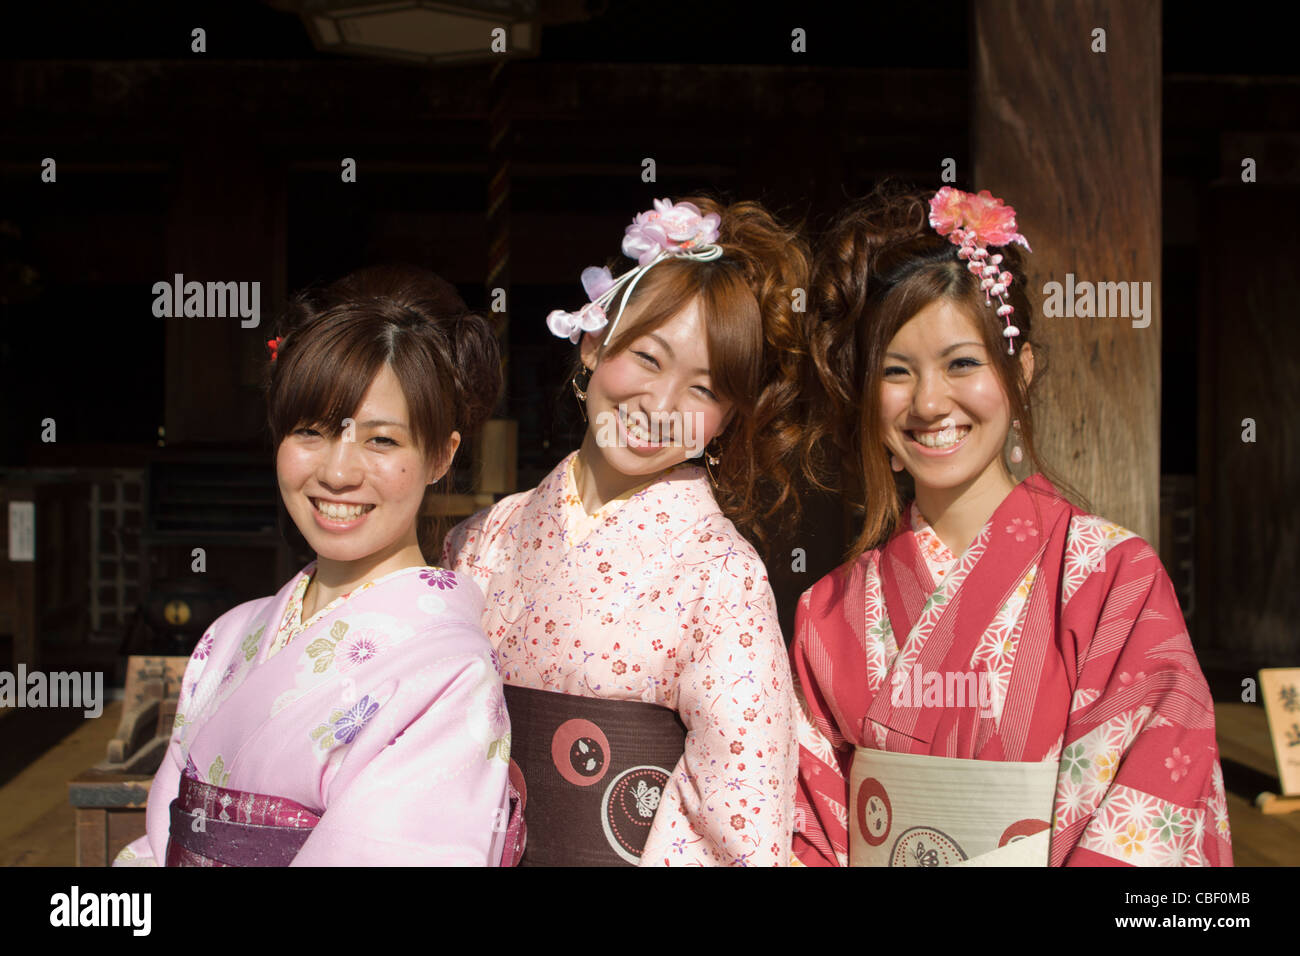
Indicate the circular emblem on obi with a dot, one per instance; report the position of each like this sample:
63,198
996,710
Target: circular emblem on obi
629,808
1021,829
580,752
925,846
875,815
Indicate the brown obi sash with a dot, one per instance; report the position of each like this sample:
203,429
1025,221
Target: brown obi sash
217,826
594,771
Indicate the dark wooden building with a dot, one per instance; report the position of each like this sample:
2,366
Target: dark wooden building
1126,164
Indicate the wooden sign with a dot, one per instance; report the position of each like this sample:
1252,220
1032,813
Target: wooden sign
1280,691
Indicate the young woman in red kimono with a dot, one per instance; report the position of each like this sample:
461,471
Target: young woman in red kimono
995,677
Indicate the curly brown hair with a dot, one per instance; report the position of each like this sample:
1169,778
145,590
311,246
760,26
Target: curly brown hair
878,266
752,301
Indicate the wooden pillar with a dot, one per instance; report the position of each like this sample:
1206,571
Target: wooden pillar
22,599
1249,390
1071,138
500,135
226,224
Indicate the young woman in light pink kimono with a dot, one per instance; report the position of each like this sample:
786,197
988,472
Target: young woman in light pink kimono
356,716
647,679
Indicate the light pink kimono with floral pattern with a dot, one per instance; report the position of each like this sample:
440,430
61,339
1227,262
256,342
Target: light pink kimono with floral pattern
383,712
657,598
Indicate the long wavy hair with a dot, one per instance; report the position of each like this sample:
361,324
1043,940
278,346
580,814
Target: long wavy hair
752,301
879,265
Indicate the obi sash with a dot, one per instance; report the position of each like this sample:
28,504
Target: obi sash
594,771
217,826
918,810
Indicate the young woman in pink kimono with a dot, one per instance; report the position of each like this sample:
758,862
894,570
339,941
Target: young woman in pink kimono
356,716
996,677
646,675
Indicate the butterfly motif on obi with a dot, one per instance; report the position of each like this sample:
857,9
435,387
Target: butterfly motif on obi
925,857
647,798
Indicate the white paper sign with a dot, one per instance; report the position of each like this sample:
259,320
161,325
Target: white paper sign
22,531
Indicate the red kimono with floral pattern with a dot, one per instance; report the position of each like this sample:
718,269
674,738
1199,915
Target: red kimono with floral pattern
1073,630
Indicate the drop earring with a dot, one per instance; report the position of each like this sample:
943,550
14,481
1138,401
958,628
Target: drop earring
711,461
580,391
1017,453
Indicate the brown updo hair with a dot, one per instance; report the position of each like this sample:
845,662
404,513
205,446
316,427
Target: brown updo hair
880,264
751,301
337,337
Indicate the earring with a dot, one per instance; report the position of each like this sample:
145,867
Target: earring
1017,453
580,391
712,461
894,463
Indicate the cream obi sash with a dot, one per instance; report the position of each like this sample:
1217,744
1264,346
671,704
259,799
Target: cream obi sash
915,810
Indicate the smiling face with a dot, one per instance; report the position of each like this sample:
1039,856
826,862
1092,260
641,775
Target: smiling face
355,496
944,411
654,404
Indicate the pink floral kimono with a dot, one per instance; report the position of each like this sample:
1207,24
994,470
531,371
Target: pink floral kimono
374,733
1069,636
613,629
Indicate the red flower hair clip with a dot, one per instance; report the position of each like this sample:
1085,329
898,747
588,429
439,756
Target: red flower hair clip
973,222
274,346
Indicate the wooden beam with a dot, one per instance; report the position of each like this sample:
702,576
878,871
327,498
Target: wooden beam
281,100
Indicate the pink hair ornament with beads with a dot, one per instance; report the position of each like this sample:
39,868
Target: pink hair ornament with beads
973,222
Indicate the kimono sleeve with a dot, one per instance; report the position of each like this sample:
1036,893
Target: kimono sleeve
1140,782
151,849
822,789
428,786
461,545
730,799
469,547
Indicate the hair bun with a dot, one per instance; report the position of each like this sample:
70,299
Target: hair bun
477,368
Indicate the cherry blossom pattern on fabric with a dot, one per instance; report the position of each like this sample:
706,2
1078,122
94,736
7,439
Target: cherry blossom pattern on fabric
655,598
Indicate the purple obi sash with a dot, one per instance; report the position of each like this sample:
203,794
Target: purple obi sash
217,826
595,771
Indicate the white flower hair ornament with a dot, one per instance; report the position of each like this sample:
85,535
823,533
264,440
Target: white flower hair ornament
668,230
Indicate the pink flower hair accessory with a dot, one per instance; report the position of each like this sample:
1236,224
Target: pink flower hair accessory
677,230
973,222
670,229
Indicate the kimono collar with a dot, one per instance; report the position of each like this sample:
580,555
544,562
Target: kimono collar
578,524
938,556
291,623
